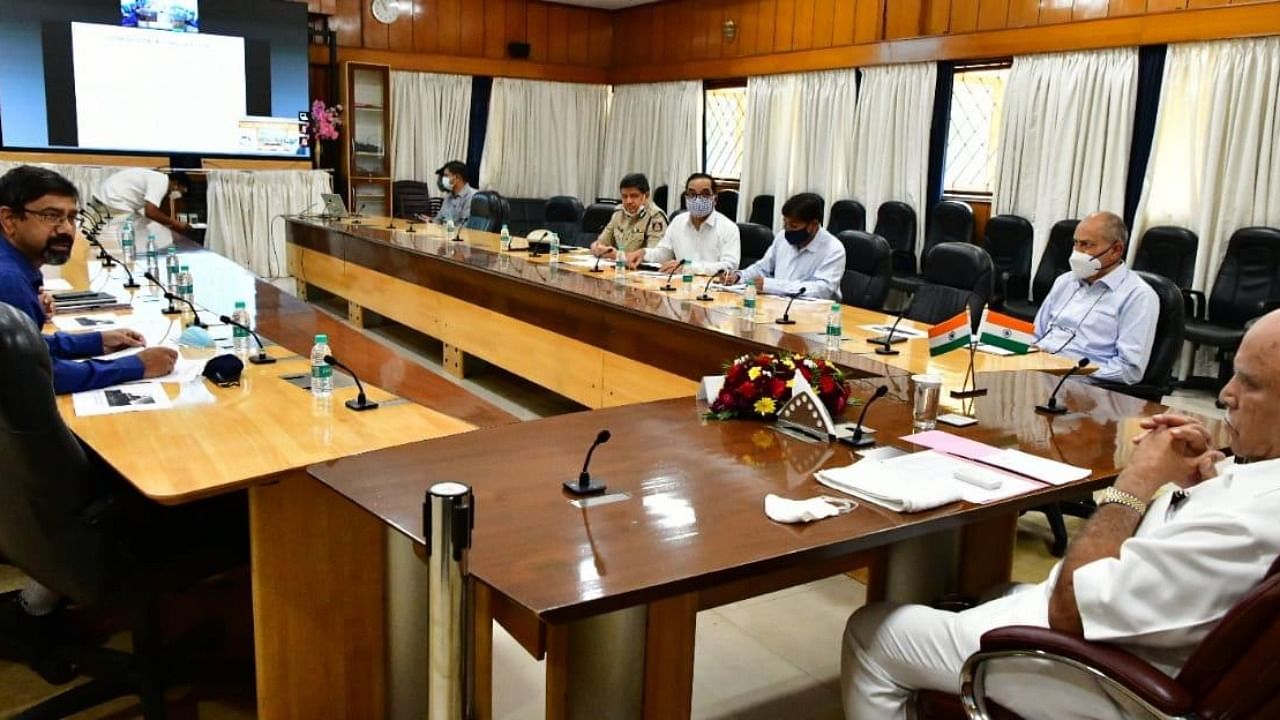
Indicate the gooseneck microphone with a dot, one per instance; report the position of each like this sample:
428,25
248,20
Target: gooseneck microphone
585,484
706,291
103,255
1051,406
171,297
864,436
129,284
361,403
887,340
262,358
358,215
669,287
786,314
599,258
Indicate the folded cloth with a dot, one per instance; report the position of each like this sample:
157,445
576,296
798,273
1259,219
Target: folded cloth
879,482
786,510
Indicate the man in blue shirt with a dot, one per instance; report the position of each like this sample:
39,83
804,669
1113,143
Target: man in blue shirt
37,226
1101,310
452,181
804,256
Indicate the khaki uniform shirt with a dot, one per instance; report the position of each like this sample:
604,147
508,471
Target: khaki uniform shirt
632,233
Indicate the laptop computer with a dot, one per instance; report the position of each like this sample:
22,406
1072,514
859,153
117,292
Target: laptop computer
334,207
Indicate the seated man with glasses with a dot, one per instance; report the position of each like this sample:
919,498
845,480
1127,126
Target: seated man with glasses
804,256
37,226
706,238
1100,310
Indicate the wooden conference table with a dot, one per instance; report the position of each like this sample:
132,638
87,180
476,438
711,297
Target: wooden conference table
579,333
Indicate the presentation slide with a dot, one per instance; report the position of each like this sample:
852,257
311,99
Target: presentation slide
158,90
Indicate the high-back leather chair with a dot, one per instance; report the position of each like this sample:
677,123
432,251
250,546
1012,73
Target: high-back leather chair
847,215
660,197
489,211
957,273
762,211
1157,381
896,222
411,198
755,240
1169,251
1055,261
1008,241
868,267
950,221
564,218
594,220
727,204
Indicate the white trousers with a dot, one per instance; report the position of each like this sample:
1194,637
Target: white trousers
892,650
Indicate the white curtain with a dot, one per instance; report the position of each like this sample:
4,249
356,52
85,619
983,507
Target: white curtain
246,210
430,123
544,138
655,129
86,178
891,132
1064,137
799,137
1215,158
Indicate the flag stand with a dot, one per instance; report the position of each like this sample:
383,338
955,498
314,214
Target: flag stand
970,379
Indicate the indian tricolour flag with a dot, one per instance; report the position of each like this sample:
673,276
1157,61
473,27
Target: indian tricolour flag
1006,332
950,335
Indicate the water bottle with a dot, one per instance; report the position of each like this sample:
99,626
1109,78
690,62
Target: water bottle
450,229
186,291
126,243
153,256
504,239
619,266
686,282
749,303
171,269
240,336
834,328
553,254
321,371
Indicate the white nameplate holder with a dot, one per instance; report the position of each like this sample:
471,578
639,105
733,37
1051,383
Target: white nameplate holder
806,414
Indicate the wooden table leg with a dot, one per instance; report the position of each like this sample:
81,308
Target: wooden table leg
482,651
668,657
986,554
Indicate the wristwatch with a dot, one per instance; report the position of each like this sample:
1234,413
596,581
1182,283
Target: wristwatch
1120,497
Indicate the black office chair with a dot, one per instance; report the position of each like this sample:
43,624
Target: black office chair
762,211
1248,285
755,240
1008,241
727,204
412,198
564,218
956,273
594,220
951,221
896,222
489,211
868,267
1055,261
1169,251
69,523
660,197
847,215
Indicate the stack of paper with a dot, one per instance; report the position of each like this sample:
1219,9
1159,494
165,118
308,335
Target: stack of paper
919,481
135,397
1016,461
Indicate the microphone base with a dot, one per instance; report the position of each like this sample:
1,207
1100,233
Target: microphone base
705,298
359,405
880,340
131,285
865,440
171,310
976,392
882,350
668,288
455,239
1051,409
264,359
785,321
575,487
596,269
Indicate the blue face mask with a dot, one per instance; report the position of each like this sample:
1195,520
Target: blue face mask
699,206
797,237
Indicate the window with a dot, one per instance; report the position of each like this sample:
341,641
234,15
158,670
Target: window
725,127
974,132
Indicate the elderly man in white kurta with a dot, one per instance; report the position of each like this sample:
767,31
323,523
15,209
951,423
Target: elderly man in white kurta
1153,573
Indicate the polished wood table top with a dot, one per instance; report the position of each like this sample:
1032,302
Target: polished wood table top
693,517
267,425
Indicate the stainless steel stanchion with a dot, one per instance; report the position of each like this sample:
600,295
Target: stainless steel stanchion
448,516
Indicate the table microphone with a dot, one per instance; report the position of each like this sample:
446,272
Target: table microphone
262,358
1051,407
862,437
361,403
706,296
669,287
195,312
358,214
103,255
786,314
130,284
585,484
599,258
886,341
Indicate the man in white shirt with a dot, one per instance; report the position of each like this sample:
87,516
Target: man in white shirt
1101,309
804,256
708,240
140,191
1151,574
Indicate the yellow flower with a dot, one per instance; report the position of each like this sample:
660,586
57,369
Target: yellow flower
765,406
791,383
791,365
754,373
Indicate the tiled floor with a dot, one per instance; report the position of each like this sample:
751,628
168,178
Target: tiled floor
774,656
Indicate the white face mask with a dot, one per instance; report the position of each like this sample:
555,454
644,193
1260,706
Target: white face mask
1084,265
784,510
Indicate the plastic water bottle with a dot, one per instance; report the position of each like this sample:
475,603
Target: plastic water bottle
450,229
153,256
321,371
186,291
126,243
553,254
619,266
171,269
749,303
504,239
834,328
240,336
686,282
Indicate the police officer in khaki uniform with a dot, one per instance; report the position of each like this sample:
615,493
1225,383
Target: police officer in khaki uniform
636,225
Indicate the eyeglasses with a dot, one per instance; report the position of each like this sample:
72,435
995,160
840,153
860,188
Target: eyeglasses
691,194
54,218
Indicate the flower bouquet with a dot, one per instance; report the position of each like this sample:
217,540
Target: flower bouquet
325,122
757,386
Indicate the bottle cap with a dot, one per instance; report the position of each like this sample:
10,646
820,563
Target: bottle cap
183,268
239,304
322,339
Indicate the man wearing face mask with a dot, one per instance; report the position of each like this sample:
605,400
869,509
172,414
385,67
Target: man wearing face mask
634,226
452,180
141,192
804,255
37,226
1100,310
708,240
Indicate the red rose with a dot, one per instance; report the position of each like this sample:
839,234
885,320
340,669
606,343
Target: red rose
826,385
737,373
764,361
841,403
778,389
746,390
806,373
724,400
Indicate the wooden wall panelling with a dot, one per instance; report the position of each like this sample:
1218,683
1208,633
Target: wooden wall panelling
937,17
903,20
558,34
764,17
425,29
376,35
1089,9
784,24
400,32
694,25
496,29
964,16
579,36
802,34
1126,7
869,21
740,12
448,27
1055,11
993,14
536,17
824,12
346,22
674,23
842,25
1026,13
472,28
517,21
1210,3
601,51
713,22
1159,6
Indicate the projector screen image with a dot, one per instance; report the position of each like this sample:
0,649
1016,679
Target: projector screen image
176,15
77,75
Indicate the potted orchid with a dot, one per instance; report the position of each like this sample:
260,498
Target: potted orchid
325,123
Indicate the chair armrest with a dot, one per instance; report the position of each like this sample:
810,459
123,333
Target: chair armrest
1196,303
1126,669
